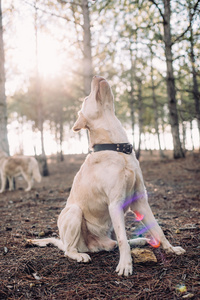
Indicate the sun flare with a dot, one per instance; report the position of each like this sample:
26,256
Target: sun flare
49,60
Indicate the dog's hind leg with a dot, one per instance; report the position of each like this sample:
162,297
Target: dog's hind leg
29,187
44,242
69,224
29,180
96,244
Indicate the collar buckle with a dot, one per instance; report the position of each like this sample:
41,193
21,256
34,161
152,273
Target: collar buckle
127,148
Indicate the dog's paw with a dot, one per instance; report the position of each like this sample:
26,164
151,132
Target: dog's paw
176,250
79,257
125,269
83,257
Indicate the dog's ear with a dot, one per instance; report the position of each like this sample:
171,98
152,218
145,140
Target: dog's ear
105,93
80,123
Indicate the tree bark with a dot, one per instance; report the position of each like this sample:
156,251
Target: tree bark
184,135
191,136
163,133
87,51
171,91
45,171
195,89
61,137
131,102
140,111
155,106
3,107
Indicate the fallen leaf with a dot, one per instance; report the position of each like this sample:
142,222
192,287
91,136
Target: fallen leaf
143,255
35,275
188,296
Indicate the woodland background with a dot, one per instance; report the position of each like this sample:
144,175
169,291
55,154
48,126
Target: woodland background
148,50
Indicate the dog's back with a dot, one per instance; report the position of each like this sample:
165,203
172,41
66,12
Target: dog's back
20,165
15,165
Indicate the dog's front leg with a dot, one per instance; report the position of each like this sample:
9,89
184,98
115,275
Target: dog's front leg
125,262
142,206
3,182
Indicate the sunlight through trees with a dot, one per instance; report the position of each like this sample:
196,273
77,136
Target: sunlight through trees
147,49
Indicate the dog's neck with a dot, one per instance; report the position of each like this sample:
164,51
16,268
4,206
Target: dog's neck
107,131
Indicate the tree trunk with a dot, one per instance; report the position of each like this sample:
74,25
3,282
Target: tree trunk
131,102
195,89
87,52
45,171
155,106
3,107
184,135
191,136
59,141
171,91
140,110
61,137
163,133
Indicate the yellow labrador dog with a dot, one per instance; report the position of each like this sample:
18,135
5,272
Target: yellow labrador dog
14,166
108,184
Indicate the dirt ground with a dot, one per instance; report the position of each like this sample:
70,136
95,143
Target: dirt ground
29,272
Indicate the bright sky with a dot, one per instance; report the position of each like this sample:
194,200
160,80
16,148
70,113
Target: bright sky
21,52
20,45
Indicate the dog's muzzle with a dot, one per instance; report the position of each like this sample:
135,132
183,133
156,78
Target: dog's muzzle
121,147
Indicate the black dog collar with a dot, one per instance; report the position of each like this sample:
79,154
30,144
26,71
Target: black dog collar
124,148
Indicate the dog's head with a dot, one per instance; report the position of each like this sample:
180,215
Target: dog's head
99,102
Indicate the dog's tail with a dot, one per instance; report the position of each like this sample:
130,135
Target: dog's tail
36,172
44,242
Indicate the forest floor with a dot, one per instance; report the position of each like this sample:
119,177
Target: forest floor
30,272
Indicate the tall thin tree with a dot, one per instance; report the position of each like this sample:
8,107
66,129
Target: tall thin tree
155,103
195,87
45,171
87,48
171,89
3,107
